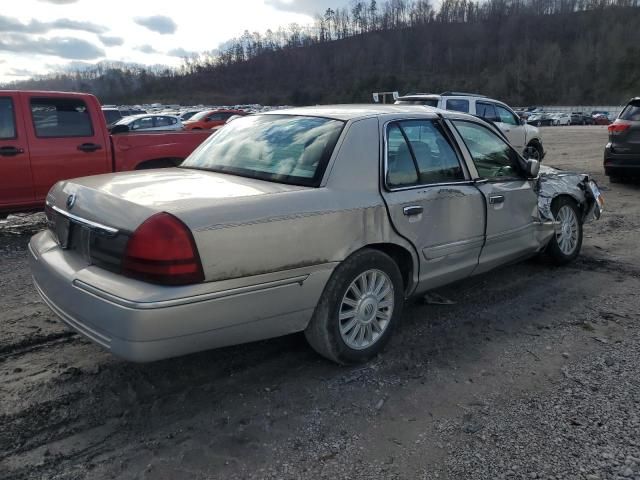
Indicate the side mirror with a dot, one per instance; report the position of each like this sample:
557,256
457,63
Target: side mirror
532,168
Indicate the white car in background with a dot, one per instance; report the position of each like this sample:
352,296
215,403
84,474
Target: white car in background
524,137
561,119
148,122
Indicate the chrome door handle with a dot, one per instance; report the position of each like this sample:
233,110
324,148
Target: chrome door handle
496,199
412,210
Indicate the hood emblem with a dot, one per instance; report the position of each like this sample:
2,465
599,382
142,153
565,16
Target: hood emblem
71,201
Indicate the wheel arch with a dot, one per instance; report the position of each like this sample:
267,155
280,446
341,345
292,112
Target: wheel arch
406,261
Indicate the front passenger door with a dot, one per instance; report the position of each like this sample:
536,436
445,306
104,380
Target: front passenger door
511,202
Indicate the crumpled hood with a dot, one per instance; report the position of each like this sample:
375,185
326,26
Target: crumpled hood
124,200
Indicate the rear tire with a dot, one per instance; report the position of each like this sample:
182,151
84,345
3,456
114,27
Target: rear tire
565,245
359,308
533,150
613,179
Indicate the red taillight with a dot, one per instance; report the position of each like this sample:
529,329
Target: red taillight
162,250
618,127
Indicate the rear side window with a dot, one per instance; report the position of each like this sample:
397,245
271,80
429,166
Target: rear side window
631,112
487,111
7,119
418,153
142,123
61,117
458,105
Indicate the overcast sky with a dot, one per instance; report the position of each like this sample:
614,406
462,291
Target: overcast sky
39,36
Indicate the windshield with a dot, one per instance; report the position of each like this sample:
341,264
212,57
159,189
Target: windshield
279,148
431,102
200,115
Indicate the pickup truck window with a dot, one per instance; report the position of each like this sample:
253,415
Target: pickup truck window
493,157
418,153
7,119
61,117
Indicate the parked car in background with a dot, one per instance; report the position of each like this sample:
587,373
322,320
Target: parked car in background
580,118
601,119
561,119
210,118
525,138
50,136
187,115
203,256
147,122
541,120
622,152
132,111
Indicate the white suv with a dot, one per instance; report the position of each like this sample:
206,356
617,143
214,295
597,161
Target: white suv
526,138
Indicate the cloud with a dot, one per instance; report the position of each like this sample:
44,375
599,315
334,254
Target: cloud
111,41
181,52
147,49
10,24
59,2
64,47
158,23
307,7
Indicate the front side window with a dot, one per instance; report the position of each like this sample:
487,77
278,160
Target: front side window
278,148
492,156
418,153
506,116
60,117
458,105
7,119
487,111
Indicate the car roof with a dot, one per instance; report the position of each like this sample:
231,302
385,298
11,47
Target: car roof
357,111
144,115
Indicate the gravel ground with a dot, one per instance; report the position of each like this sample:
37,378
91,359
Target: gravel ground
531,372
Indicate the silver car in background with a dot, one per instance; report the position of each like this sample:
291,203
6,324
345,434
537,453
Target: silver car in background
322,220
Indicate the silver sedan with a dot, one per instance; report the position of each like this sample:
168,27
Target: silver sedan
322,220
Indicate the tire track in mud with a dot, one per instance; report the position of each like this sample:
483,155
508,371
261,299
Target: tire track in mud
29,344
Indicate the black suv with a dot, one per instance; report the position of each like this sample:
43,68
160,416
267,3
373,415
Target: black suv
622,153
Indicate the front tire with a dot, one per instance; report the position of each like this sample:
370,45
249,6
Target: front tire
359,308
566,243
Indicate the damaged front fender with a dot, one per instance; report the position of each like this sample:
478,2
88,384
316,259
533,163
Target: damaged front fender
553,183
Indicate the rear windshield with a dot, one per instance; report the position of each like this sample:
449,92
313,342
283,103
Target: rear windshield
278,148
631,112
429,102
200,115
111,115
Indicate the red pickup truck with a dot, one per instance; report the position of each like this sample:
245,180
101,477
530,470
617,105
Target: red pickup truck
51,136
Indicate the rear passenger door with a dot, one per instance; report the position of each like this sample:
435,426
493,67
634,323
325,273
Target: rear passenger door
16,185
431,200
65,138
511,202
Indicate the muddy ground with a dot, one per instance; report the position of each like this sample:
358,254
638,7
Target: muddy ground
533,372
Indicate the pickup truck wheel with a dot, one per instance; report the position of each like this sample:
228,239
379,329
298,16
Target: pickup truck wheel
359,308
567,241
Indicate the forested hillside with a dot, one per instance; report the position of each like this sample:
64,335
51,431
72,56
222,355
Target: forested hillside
522,51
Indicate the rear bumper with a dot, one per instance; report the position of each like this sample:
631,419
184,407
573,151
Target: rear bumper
621,164
174,320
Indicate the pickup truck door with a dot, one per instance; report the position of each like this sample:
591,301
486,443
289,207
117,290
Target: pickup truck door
16,185
431,200
67,139
511,202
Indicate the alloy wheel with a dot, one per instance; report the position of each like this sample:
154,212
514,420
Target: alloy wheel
567,236
366,309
